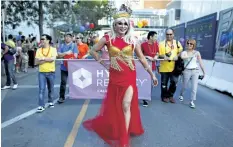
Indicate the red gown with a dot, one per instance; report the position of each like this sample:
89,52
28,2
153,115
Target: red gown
109,124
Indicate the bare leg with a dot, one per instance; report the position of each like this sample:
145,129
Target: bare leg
126,105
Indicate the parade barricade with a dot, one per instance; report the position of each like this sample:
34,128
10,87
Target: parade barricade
218,76
88,80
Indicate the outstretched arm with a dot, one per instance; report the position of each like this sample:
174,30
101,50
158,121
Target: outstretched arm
97,47
201,63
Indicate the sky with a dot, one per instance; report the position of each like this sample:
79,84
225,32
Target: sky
35,30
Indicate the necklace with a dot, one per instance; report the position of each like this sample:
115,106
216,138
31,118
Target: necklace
153,48
45,55
171,46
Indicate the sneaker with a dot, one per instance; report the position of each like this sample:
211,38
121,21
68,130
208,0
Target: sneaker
181,98
40,109
145,103
51,105
61,100
15,86
192,105
5,87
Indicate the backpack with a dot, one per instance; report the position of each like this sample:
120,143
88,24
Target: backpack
179,64
11,46
11,51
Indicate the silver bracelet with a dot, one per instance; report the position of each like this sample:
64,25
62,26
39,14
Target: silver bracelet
147,68
99,60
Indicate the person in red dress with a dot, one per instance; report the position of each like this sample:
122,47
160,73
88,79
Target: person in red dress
119,115
150,49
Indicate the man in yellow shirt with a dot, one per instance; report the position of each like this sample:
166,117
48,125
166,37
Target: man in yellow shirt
169,49
45,58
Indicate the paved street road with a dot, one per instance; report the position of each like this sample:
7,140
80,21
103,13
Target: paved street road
166,125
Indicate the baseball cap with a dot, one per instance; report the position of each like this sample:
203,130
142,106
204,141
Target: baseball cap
69,34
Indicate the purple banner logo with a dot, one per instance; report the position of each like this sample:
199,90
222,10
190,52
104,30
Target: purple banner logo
89,80
82,78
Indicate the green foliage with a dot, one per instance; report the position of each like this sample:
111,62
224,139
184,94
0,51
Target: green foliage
80,13
92,11
59,11
18,11
50,12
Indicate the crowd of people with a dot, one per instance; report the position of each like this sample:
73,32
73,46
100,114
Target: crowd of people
24,50
17,54
119,116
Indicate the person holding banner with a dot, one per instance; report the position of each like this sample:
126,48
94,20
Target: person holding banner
119,116
45,58
150,49
66,51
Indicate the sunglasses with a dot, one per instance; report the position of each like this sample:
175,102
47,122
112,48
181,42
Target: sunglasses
42,39
169,34
120,23
190,43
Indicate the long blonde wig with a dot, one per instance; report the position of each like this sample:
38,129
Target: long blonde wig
129,36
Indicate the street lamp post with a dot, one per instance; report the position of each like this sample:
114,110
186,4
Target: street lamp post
3,24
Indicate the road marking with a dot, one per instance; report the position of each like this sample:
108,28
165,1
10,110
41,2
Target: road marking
3,94
202,112
37,86
71,138
214,122
22,116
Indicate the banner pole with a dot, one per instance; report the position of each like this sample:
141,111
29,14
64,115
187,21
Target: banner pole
94,59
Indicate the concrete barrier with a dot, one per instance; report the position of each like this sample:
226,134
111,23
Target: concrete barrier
219,76
208,65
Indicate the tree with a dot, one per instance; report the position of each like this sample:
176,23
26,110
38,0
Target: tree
39,12
33,12
59,11
79,13
92,11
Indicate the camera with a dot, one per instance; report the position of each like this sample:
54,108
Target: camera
168,54
161,57
200,77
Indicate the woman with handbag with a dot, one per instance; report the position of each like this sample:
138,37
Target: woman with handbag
8,57
191,71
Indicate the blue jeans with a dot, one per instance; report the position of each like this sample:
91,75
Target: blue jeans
49,78
9,69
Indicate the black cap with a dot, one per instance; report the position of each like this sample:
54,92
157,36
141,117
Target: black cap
69,34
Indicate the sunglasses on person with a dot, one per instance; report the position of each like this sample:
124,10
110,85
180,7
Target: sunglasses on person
169,34
42,39
189,43
120,23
